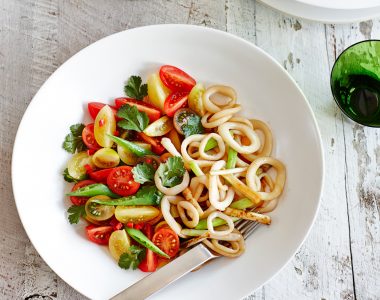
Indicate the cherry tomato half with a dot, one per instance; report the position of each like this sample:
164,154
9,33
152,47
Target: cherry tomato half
167,240
174,102
152,112
149,263
95,107
99,234
89,138
176,79
101,175
120,181
80,200
155,142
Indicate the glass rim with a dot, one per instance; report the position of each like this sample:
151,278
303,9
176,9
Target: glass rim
331,85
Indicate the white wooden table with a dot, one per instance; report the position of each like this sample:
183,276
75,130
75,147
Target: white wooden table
341,257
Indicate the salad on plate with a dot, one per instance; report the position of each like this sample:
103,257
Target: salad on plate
169,166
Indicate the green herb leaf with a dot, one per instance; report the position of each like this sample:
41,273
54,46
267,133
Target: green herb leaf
172,171
149,192
134,89
132,258
73,141
193,126
75,212
143,173
133,118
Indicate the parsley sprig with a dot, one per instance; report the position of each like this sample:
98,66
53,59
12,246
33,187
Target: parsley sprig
73,141
172,171
143,173
132,258
135,89
75,212
193,125
133,118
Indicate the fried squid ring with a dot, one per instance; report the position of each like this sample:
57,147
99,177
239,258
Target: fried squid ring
220,196
218,214
175,190
165,209
224,131
252,177
242,120
168,145
266,144
227,91
221,146
239,245
211,124
191,212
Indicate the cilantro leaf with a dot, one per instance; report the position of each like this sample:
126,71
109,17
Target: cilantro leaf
134,89
172,171
193,125
143,173
149,192
132,258
73,141
133,118
75,212
69,178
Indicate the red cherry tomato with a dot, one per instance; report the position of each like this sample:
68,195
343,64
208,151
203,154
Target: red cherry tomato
94,107
101,175
167,240
176,79
120,181
88,137
152,112
174,102
116,225
80,200
99,234
149,263
155,142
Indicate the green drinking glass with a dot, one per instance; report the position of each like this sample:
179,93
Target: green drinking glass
355,82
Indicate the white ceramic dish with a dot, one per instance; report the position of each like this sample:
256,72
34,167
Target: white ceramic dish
98,72
327,11
342,4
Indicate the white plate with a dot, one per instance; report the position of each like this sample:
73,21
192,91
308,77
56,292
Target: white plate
342,4
98,72
325,12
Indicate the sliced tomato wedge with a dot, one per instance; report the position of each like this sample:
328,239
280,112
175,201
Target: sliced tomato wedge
99,234
174,102
149,263
152,112
155,142
176,79
101,175
167,240
80,200
120,181
95,107
88,137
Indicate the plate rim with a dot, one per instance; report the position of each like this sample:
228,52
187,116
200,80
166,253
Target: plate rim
283,7
178,26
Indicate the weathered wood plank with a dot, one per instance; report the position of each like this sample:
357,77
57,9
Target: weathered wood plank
362,172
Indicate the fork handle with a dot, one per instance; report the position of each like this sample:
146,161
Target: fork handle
166,275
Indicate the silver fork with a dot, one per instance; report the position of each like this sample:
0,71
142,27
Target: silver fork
182,265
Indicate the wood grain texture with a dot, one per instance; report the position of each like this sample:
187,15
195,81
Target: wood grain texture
341,257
